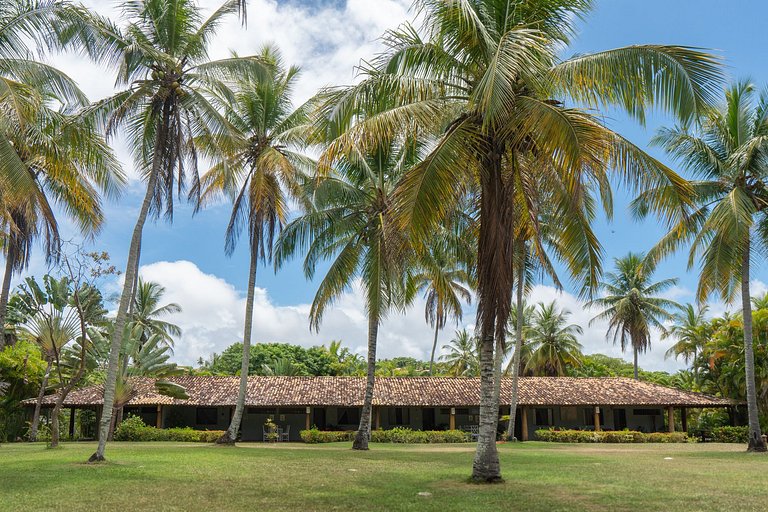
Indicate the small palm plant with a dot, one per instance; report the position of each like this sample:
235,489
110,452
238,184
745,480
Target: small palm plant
461,356
552,344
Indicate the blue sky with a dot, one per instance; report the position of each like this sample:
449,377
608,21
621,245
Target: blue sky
327,39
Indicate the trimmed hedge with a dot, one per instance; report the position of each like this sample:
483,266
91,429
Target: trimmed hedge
730,435
395,435
134,429
619,436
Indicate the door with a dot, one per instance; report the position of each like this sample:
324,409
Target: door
619,419
428,418
319,417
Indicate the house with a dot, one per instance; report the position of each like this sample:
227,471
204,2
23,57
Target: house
425,403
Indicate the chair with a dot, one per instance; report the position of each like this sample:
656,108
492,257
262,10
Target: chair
474,432
284,434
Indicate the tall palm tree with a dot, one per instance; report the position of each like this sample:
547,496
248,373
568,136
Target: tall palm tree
161,56
551,342
692,330
350,224
485,76
27,26
462,355
147,313
258,165
727,155
632,306
444,281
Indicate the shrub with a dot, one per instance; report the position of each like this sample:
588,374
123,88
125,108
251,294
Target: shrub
395,435
730,435
314,436
619,436
134,429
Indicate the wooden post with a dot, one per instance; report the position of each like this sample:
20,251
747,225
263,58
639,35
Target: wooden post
159,419
671,419
524,424
99,409
309,418
452,421
684,418
597,419
378,418
71,423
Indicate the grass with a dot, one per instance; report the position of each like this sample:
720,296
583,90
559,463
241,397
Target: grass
546,477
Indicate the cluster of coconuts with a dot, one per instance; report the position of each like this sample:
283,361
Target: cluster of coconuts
170,80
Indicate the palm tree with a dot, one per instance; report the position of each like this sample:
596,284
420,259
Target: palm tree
444,281
727,155
26,84
147,312
632,306
692,330
258,167
552,343
485,76
161,55
350,224
462,355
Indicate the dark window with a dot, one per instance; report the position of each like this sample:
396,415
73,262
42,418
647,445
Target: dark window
293,410
462,411
149,410
400,416
445,410
348,416
646,412
206,416
261,410
589,417
543,417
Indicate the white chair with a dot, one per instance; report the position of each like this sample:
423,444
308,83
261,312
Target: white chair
285,434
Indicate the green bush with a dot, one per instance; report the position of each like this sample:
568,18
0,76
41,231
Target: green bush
730,435
395,435
314,436
619,436
134,429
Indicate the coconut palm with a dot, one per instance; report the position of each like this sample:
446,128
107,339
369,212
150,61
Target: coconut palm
444,283
257,164
147,313
350,224
462,355
632,306
727,155
485,76
551,342
692,330
166,79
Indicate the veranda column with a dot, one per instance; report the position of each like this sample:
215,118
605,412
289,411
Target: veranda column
159,419
309,418
597,418
671,419
452,420
524,419
378,418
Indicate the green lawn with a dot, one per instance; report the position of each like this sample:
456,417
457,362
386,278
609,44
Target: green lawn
547,477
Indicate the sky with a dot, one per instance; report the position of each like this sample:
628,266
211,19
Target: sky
327,39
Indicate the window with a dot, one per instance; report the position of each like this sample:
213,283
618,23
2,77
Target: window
462,411
206,416
348,416
646,412
543,417
400,416
261,410
570,414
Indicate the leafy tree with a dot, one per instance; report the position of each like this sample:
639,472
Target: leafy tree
257,165
632,305
692,330
147,313
461,358
22,368
166,81
726,153
485,76
551,342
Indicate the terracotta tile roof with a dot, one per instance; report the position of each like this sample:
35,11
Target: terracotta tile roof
402,391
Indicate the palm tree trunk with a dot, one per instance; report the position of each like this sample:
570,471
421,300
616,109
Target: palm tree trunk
230,436
4,293
516,355
756,443
434,347
126,296
364,431
634,350
485,467
39,404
